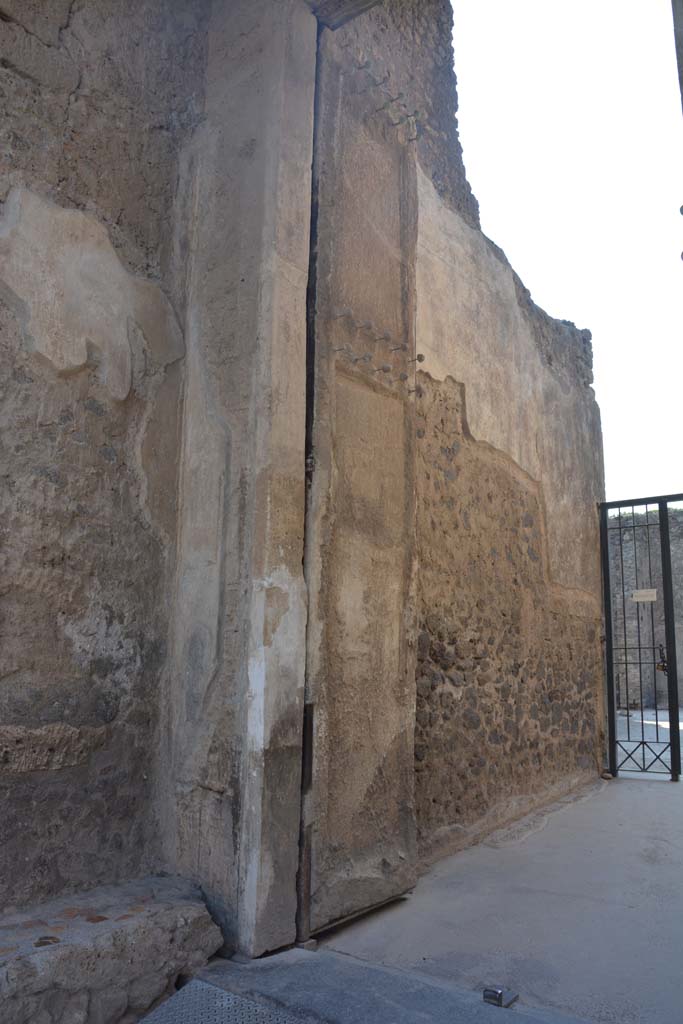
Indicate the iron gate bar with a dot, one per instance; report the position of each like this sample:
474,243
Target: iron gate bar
639,746
640,649
623,610
642,501
652,623
670,632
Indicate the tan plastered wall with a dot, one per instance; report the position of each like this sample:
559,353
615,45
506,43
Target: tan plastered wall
527,402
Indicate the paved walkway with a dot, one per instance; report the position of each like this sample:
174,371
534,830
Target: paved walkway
580,910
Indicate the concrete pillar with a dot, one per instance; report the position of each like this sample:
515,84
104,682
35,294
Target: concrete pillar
232,746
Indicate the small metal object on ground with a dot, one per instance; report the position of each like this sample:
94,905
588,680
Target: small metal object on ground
199,1003
500,996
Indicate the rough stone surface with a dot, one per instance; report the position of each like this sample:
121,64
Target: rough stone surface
153,260
104,958
527,379
509,665
505,587
509,475
401,54
91,364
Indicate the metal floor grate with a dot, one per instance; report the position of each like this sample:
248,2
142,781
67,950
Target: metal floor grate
199,1003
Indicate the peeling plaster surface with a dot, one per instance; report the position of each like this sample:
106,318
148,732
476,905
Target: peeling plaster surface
86,300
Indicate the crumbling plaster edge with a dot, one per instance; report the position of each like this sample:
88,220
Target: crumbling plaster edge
593,601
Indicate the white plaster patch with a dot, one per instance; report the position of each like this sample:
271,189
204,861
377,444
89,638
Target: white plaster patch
76,301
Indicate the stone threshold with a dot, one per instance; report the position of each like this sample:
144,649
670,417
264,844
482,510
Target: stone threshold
302,987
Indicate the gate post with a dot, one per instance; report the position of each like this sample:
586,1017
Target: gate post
670,624
609,656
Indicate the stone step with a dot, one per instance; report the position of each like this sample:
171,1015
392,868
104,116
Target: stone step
102,957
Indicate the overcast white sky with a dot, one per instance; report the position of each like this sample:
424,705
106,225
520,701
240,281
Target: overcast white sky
571,124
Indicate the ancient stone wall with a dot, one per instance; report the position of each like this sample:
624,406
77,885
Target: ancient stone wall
96,99
155,183
402,53
230,778
520,613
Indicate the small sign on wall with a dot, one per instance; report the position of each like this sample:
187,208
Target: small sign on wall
643,595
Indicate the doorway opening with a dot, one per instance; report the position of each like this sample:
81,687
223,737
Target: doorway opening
642,562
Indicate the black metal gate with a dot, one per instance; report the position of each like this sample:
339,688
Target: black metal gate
642,566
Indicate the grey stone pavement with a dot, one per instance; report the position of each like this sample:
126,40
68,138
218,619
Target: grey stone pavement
579,909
